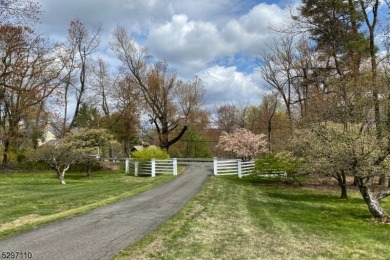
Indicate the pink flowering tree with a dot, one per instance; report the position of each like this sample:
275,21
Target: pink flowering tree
242,143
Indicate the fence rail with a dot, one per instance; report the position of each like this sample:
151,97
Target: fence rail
233,167
152,167
195,159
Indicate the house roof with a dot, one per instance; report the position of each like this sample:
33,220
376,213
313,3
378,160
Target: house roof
142,147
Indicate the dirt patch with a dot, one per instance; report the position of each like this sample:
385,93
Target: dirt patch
20,222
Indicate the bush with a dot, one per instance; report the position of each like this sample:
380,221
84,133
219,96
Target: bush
83,166
31,165
150,153
281,162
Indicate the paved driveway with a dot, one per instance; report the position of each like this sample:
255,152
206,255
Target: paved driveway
103,232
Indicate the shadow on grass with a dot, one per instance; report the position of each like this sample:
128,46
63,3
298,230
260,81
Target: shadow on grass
292,202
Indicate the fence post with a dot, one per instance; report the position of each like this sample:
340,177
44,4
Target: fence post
127,166
153,167
215,166
239,168
174,164
136,168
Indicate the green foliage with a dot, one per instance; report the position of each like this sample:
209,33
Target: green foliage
32,165
335,26
84,166
192,145
88,117
150,153
281,162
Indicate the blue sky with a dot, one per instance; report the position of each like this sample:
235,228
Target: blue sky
216,40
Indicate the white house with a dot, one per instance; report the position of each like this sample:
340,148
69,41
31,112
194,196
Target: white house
48,135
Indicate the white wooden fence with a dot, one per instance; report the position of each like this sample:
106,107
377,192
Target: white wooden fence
152,167
233,167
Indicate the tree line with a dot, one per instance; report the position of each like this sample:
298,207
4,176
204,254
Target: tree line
63,86
66,86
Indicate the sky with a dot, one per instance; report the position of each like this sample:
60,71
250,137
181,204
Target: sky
217,40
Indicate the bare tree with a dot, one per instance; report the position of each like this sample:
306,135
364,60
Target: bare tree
225,117
19,12
103,85
370,10
278,69
167,106
82,44
267,112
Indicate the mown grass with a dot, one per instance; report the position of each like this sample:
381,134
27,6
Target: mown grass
251,218
31,199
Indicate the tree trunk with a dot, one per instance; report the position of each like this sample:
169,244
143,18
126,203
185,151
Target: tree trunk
110,151
61,172
355,181
5,152
89,174
61,177
373,202
269,129
382,180
165,143
342,182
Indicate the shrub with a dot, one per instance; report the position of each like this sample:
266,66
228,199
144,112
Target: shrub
31,165
282,162
84,166
150,153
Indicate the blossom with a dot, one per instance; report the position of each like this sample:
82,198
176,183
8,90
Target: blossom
243,143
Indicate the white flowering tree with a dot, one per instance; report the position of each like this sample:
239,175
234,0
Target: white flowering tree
243,143
76,147
336,150
59,156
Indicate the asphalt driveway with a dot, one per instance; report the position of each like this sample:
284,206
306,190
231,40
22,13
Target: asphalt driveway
102,233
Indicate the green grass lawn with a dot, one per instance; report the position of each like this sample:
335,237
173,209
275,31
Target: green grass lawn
31,199
257,219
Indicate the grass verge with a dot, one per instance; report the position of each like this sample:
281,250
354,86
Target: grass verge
251,218
31,199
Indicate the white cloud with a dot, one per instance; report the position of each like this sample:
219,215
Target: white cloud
218,11
216,40
250,32
227,85
186,43
136,15
192,45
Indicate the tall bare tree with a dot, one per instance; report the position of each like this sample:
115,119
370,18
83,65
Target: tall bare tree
167,105
267,111
82,43
282,70
103,85
19,12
